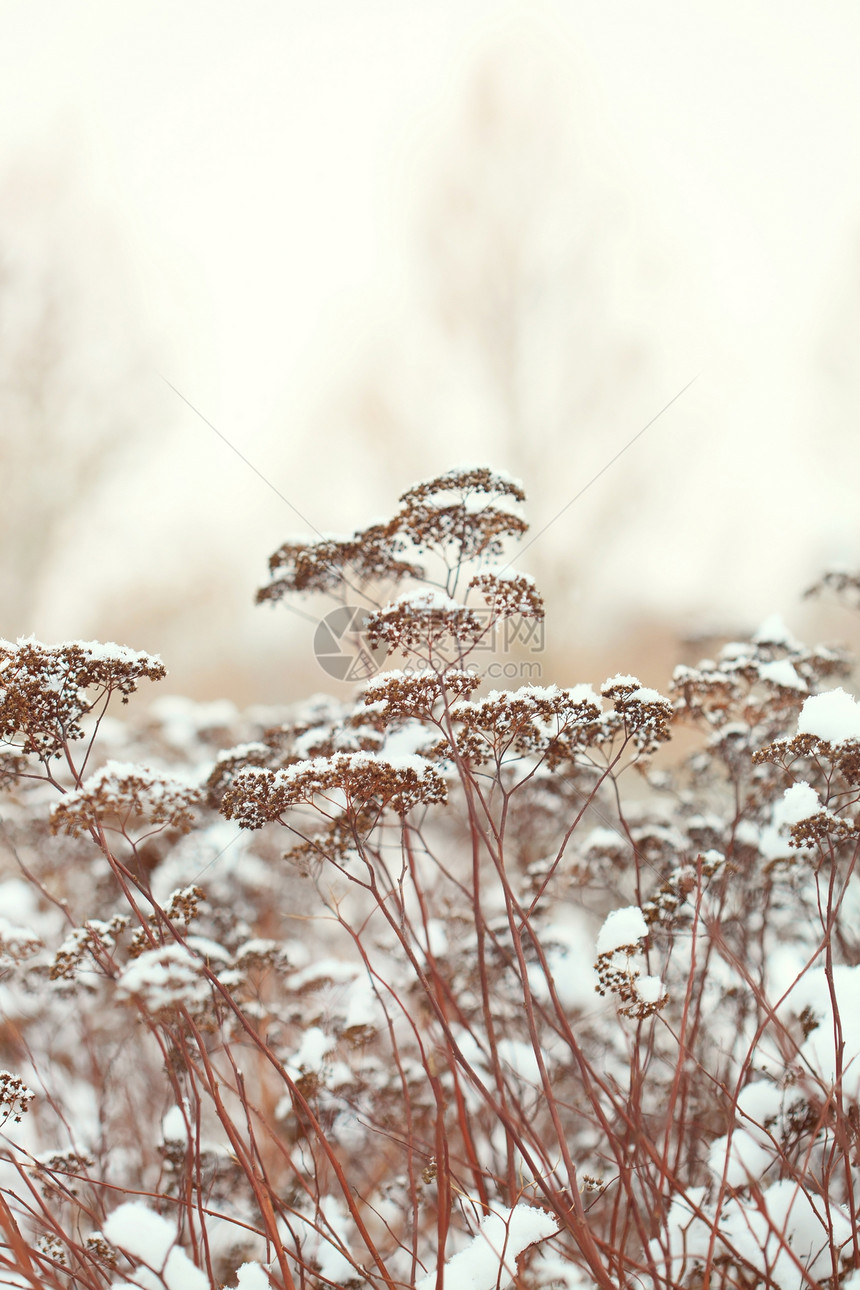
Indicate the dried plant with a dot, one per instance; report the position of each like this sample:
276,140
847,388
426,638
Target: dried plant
411,990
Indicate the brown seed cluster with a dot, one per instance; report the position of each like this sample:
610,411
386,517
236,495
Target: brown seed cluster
397,696
15,1097
125,794
844,584
640,713
47,690
460,515
430,625
357,783
618,976
754,683
533,720
667,904
509,594
369,555
85,948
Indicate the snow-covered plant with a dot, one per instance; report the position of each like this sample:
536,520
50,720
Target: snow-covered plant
440,984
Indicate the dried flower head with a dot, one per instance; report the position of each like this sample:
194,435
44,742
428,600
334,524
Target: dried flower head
399,695
641,714
87,948
119,794
328,563
47,690
428,623
508,593
165,978
462,515
532,720
845,584
671,900
357,783
16,943
15,1096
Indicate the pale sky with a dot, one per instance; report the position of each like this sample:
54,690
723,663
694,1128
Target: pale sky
256,171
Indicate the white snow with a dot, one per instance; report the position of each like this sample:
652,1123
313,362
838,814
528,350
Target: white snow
431,600
650,989
622,927
602,839
251,1276
437,937
469,467
747,1158
785,1225
164,976
348,762
102,651
362,1007
538,693
17,942
173,1126
818,1051
139,1231
312,1052
407,741
476,503
782,672
620,678
733,650
521,1059
833,716
644,694
489,1261
799,802
773,631
584,693
208,949
512,575
150,1237
179,1273
759,1104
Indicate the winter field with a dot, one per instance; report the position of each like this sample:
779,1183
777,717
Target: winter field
442,986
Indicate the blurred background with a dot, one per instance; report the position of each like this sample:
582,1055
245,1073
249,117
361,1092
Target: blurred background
263,266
